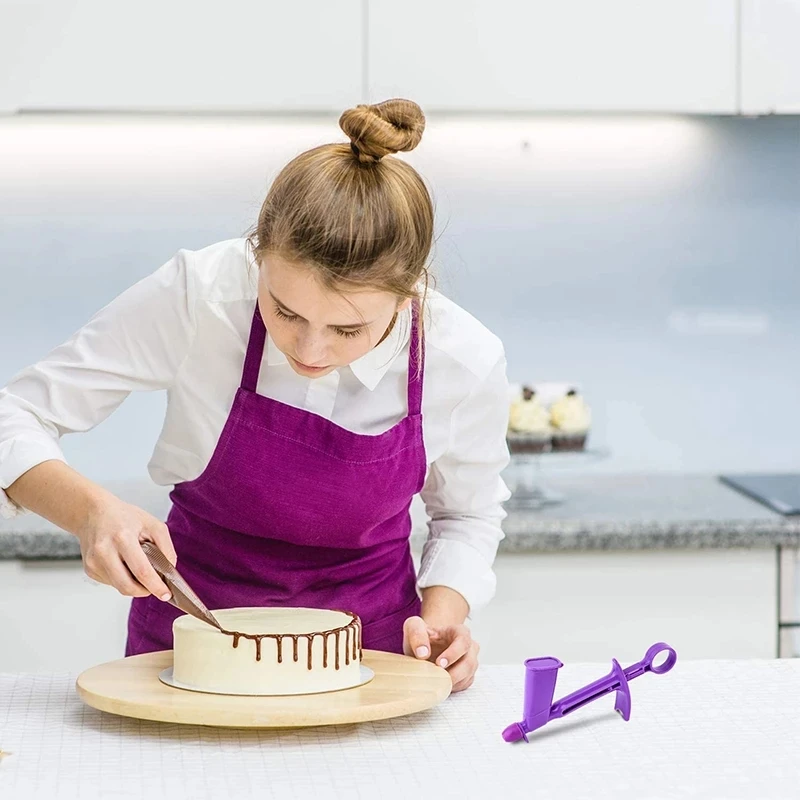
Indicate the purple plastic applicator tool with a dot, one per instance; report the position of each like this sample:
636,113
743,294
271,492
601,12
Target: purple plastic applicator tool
540,684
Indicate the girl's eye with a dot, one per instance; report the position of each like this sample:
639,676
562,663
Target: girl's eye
283,315
280,314
349,334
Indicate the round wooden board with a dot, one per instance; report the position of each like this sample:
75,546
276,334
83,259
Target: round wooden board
130,687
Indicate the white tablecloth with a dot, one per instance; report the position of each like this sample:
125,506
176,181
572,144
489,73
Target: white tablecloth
715,729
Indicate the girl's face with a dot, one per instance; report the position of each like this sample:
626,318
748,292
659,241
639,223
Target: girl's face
317,329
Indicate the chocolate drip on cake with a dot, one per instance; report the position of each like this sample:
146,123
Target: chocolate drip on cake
354,625
310,640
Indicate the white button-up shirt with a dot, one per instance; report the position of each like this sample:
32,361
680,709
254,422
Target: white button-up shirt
184,329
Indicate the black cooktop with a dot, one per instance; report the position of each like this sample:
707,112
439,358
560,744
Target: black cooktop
779,492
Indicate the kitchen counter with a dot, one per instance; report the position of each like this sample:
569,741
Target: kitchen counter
636,512
600,513
708,729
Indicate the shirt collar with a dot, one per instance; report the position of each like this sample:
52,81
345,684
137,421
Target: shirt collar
373,365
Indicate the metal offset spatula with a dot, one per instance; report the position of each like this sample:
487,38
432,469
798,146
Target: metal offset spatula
183,597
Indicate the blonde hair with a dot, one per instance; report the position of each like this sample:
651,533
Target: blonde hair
356,216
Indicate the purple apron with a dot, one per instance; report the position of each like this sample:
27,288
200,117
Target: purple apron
293,510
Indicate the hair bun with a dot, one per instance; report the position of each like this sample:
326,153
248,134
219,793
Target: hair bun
389,127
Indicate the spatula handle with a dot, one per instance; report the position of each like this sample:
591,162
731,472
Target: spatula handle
183,597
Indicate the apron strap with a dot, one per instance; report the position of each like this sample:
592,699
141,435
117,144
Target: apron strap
255,352
416,363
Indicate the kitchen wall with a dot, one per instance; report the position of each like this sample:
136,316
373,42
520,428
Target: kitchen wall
653,260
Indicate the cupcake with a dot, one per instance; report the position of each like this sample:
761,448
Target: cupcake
570,417
529,429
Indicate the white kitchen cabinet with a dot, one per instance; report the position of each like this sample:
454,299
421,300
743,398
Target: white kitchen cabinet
595,606
20,24
571,55
52,617
770,56
182,55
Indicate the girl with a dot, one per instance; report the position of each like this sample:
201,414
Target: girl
315,385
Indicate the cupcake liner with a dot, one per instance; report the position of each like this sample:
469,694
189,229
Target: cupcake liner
528,442
567,441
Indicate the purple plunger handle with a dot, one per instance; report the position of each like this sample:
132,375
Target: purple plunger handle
615,680
540,681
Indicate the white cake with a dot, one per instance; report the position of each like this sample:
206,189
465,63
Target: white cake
269,651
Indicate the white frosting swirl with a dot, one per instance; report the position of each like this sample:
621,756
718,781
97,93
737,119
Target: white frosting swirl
571,415
529,416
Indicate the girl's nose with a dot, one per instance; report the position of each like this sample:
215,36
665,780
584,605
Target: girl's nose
310,350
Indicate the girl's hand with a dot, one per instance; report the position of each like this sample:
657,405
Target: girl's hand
112,552
450,646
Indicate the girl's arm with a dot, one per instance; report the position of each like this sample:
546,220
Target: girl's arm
110,531
137,342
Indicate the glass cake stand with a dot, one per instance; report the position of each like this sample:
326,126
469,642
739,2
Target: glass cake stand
529,491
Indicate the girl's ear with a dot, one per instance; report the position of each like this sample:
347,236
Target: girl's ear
404,305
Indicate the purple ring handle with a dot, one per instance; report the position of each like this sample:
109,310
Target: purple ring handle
651,655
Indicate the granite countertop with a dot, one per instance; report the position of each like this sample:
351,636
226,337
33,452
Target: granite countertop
646,512
600,512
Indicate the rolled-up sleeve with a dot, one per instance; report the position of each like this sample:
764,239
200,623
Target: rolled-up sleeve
137,342
464,495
